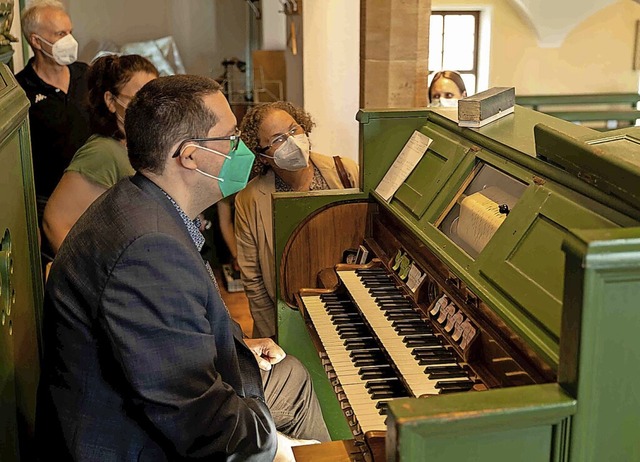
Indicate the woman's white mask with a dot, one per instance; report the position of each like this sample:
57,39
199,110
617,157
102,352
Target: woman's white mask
449,102
293,154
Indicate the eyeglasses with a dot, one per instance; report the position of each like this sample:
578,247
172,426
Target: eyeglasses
277,140
122,103
233,139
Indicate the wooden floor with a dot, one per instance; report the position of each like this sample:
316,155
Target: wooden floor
237,304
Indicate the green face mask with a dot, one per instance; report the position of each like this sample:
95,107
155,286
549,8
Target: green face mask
235,169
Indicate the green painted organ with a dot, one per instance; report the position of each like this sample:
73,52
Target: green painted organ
487,309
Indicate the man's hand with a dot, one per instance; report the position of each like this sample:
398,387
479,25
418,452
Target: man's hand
285,453
267,352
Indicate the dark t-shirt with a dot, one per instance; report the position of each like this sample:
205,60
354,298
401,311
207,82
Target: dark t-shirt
59,123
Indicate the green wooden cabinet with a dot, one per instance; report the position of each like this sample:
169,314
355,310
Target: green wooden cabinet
20,276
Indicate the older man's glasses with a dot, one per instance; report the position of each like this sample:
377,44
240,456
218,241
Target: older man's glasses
277,140
234,141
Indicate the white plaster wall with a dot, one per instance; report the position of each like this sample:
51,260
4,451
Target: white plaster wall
273,26
205,31
596,55
332,74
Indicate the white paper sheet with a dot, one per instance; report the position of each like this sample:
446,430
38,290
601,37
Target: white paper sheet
404,164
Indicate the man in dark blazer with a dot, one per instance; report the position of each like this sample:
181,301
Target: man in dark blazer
141,358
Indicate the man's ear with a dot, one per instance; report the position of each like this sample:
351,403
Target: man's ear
110,102
464,94
186,158
33,40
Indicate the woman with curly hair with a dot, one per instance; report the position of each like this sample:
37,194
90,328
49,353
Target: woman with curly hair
102,161
278,133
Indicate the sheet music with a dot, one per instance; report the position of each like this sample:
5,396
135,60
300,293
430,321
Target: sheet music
404,164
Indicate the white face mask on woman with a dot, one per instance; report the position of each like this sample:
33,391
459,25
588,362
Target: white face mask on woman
293,154
64,51
444,102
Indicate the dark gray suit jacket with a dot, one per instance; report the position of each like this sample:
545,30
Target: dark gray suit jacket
141,358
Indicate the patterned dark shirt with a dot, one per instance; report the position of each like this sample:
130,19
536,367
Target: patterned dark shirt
317,184
193,227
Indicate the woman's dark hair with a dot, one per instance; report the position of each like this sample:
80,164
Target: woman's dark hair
451,75
109,74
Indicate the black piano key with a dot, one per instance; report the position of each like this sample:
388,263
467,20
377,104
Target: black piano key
419,335
387,394
380,384
390,298
335,311
457,384
352,329
373,270
447,375
417,324
356,336
413,329
394,315
455,389
380,285
434,360
360,344
365,362
376,355
453,368
416,342
383,290
435,352
381,373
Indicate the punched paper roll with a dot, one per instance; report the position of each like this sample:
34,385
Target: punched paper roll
480,218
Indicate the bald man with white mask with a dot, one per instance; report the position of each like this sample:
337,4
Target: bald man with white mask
56,86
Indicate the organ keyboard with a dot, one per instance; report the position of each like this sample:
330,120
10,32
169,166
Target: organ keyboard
378,347
502,270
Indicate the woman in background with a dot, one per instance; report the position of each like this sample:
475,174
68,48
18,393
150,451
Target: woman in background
278,133
102,161
446,88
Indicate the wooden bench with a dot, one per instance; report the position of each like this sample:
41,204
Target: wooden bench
602,111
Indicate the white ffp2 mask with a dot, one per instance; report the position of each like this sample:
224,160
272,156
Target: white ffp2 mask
64,51
293,154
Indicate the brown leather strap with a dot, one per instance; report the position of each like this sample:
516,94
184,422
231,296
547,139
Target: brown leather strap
342,173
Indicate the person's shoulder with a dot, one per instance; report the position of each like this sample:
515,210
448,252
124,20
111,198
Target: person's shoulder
103,143
26,75
256,188
321,160
79,66
79,71
349,163
128,209
104,149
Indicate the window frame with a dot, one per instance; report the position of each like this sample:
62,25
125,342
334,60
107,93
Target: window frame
476,49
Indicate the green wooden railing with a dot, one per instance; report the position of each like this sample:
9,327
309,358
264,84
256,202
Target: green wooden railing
612,110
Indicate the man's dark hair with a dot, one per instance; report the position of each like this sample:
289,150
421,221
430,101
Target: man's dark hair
110,74
164,112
